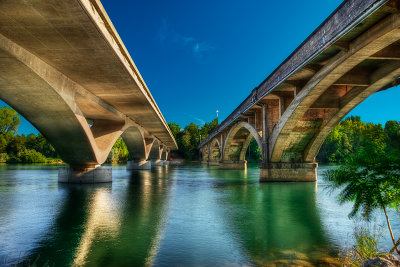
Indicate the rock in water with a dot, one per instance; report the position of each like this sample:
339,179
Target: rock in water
385,261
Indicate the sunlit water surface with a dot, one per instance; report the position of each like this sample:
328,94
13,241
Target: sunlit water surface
170,216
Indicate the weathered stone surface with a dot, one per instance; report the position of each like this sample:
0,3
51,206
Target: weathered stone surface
385,261
288,172
329,262
213,163
84,175
155,163
233,165
138,165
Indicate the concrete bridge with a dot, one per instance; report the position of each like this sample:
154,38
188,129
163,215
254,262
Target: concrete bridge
354,53
65,69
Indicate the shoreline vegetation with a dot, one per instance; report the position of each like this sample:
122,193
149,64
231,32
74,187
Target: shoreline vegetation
343,141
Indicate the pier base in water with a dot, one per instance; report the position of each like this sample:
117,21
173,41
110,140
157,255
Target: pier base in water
138,165
84,175
155,163
288,172
233,165
213,163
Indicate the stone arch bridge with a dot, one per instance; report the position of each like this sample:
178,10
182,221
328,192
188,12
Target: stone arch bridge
65,69
354,53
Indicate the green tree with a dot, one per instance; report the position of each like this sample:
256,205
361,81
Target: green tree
370,179
175,129
9,120
207,128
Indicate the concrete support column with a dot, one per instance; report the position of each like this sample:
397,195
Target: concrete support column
265,144
288,172
84,174
233,164
138,165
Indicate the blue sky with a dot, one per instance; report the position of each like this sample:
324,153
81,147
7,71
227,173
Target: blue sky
200,56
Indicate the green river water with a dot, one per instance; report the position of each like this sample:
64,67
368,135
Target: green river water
171,216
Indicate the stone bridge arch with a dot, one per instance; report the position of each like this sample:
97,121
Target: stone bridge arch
204,154
215,152
342,83
236,143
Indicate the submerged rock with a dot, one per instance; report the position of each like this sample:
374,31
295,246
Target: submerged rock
329,262
384,261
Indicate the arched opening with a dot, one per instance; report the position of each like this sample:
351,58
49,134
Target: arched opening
238,140
215,151
155,151
236,145
204,154
253,153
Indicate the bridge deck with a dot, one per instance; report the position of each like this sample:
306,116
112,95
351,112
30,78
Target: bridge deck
77,38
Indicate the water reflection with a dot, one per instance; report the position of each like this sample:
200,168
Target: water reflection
272,220
169,216
97,226
103,222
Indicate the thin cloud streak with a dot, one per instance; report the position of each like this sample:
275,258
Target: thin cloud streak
168,35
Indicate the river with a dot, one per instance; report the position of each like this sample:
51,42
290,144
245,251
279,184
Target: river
171,216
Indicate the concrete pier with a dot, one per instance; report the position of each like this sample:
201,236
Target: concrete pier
138,165
233,165
84,175
155,163
213,163
288,172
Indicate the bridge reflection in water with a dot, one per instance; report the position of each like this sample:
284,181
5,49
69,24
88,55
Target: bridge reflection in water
187,216
102,225
274,221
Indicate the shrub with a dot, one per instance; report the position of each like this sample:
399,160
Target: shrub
365,247
31,156
3,157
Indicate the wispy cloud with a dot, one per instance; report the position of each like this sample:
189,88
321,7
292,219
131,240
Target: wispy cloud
202,122
167,34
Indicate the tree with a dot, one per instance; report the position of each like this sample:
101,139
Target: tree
207,128
370,179
9,120
175,129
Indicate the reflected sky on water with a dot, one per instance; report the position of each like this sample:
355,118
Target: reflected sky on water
170,216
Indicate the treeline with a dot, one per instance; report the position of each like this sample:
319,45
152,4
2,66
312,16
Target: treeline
16,148
352,135
190,137
349,136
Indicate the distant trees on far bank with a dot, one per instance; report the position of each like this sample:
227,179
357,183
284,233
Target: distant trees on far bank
16,148
346,138
352,134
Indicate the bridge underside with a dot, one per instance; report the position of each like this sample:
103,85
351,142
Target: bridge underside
291,117
64,68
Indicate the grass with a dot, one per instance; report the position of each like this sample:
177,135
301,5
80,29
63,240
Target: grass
365,247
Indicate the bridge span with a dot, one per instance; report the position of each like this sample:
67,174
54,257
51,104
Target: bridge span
65,69
354,53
